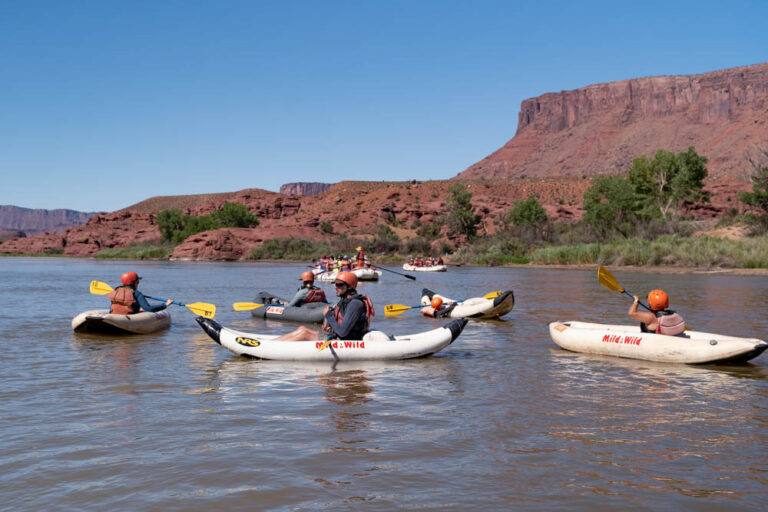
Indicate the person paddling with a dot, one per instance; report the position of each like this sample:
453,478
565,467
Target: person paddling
438,309
308,291
660,319
127,300
350,318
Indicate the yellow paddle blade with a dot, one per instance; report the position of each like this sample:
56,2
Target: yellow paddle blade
325,344
492,295
202,309
99,288
395,309
246,306
606,279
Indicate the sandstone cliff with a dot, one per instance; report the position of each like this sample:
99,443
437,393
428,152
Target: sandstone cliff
304,188
600,128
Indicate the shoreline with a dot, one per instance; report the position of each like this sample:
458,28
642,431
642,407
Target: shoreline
576,266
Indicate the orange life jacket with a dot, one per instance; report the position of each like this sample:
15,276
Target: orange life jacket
123,301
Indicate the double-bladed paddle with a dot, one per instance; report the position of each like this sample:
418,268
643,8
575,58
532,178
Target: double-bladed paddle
397,309
247,306
199,308
606,279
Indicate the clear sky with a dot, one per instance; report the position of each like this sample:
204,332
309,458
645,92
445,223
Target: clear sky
105,103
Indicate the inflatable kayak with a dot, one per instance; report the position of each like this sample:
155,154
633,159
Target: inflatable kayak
102,321
627,341
431,268
477,307
363,274
375,345
275,310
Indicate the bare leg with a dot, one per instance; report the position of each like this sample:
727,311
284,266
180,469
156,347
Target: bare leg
300,334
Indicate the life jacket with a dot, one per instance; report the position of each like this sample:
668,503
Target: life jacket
440,261
123,301
359,331
315,294
345,266
669,323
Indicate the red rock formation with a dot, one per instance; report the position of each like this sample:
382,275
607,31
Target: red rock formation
304,188
600,128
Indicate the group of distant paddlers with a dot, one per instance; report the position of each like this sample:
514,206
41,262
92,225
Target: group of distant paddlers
420,261
344,263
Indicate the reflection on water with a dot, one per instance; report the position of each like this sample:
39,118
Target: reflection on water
502,419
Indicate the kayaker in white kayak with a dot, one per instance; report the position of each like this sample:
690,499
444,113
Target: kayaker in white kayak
127,300
660,319
438,309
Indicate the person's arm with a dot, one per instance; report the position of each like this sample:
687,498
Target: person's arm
648,318
355,311
298,299
145,305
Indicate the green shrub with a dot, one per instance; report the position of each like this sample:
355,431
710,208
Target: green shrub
138,251
175,226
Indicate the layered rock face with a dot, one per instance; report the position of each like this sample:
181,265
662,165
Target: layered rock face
35,221
304,188
600,128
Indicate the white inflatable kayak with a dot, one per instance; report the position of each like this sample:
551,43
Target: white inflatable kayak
475,308
102,321
363,274
627,341
374,346
431,268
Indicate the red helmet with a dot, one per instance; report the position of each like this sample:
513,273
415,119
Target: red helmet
436,302
307,276
658,299
348,278
129,278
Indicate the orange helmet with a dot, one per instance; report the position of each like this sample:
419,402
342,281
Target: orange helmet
436,302
129,278
307,276
658,299
348,278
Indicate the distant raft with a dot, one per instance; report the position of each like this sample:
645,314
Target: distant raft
477,307
363,274
430,268
102,321
628,341
375,345
308,313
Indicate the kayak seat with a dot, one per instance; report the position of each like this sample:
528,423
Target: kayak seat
377,336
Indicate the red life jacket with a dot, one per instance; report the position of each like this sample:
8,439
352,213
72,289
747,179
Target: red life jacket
341,306
123,301
670,324
315,294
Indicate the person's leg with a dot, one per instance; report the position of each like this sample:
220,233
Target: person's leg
300,334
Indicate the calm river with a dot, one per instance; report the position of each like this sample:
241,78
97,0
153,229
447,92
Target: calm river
501,420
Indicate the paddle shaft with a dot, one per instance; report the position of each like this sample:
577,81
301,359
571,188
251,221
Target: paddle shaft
398,273
625,292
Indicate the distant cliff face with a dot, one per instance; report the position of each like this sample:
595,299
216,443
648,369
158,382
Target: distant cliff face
304,188
34,221
601,128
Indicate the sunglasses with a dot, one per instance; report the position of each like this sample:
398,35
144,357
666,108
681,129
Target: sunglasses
339,285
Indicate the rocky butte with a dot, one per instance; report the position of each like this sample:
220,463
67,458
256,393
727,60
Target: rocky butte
599,129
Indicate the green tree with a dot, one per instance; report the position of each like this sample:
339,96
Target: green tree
528,213
612,205
758,198
670,178
461,217
175,226
234,215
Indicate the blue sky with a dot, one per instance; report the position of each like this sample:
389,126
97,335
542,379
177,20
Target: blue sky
106,103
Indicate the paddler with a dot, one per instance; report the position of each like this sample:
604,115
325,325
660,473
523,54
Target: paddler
360,257
350,318
437,309
127,300
308,291
660,319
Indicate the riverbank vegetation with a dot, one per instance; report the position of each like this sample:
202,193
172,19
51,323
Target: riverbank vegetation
138,251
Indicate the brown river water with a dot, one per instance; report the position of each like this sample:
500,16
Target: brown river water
500,420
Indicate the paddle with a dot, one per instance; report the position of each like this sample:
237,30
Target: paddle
606,279
199,308
398,273
246,306
397,309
